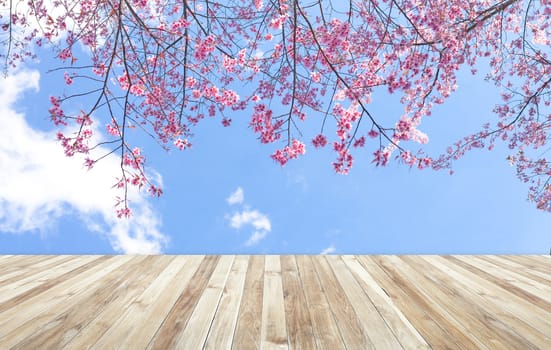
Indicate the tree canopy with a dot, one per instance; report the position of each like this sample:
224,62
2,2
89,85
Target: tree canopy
160,67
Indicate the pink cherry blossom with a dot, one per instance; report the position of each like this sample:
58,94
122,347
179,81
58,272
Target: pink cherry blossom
319,141
182,144
163,67
68,78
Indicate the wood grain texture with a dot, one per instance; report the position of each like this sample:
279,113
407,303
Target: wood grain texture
404,331
325,329
498,290
273,331
126,290
197,328
297,316
224,323
343,311
178,316
374,326
249,319
275,302
436,330
74,317
477,294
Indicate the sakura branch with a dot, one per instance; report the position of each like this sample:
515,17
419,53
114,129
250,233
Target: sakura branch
160,67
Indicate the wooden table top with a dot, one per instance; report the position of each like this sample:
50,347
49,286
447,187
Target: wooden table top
275,302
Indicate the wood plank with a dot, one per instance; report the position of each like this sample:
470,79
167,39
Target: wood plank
29,286
178,317
352,332
5,256
114,306
326,332
9,280
9,259
274,329
401,327
223,327
537,293
197,328
69,269
249,318
483,325
540,260
29,266
532,265
13,259
21,263
519,269
374,326
438,305
477,294
297,316
252,302
491,289
54,328
152,305
434,328
53,299
141,336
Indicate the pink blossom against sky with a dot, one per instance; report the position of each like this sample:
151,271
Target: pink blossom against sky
252,127
226,195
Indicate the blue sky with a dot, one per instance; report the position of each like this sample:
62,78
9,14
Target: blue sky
226,195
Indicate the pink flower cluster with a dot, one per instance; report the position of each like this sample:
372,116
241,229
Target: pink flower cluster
319,141
178,62
411,160
227,98
68,79
262,123
257,4
134,159
113,129
381,157
65,54
124,82
277,22
344,159
182,144
137,90
99,69
76,144
179,24
289,152
56,112
346,119
204,47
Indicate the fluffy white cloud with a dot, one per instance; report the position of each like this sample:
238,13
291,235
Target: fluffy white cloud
249,217
256,237
236,197
328,250
39,185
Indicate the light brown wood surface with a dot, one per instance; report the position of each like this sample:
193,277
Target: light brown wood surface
275,302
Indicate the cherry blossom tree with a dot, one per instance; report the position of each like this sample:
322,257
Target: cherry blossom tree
159,67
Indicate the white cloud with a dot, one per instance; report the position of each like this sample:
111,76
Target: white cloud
39,185
236,197
256,237
251,217
328,250
248,217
